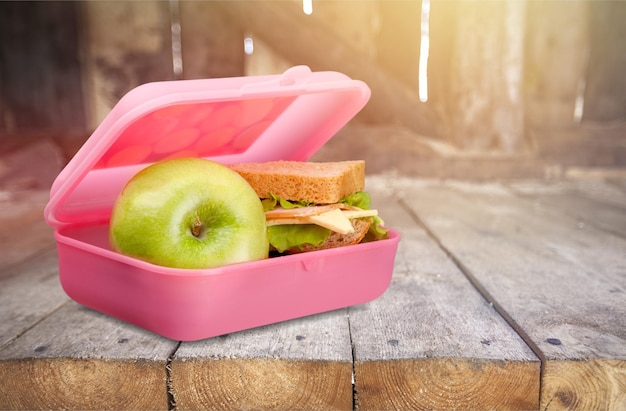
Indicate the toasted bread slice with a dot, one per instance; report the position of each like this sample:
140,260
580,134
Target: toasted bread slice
338,240
319,183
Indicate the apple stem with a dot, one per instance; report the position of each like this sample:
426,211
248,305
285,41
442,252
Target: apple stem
195,230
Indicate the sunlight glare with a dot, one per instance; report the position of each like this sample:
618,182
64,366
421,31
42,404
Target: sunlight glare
248,45
307,6
424,49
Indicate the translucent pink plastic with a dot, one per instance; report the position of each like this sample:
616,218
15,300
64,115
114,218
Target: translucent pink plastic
239,119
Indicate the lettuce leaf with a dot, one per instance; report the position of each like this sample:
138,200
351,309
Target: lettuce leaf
363,200
271,203
284,237
376,231
359,199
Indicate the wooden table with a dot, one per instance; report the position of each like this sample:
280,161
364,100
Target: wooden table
504,296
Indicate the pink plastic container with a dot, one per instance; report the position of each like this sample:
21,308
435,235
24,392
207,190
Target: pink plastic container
242,119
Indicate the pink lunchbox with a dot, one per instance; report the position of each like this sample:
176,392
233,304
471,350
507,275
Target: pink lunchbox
239,119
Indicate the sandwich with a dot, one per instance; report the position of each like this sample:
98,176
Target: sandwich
313,206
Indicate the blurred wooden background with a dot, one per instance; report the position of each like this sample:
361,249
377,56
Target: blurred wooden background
508,81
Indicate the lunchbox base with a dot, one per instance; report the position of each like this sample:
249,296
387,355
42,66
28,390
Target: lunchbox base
190,305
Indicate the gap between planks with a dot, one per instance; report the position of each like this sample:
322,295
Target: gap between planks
562,217
476,284
480,289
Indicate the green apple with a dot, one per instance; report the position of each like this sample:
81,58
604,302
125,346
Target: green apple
189,213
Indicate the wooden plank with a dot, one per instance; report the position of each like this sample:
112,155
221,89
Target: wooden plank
557,36
210,46
594,203
588,145
29,292
314,43
431,341
300,364
360,31
562,285
77,358
605,88
127,43
54,353
24,192
40,86
475,73
396,33
23,231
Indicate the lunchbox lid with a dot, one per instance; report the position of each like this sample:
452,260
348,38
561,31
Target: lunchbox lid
287,116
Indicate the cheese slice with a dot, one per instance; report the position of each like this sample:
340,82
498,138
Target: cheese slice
359,213
280,212
334,220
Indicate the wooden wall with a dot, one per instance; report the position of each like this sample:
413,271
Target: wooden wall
496,69
40,71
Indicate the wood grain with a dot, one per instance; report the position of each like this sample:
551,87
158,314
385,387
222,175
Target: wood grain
257,383
129,43
447,384
28,293
562,284
76,358
55,354
432,341
299,364
475,73
500,299
596,384
592,202
211,47
25,179
82,384
555,35
604,90
311,42
23,230
40,86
